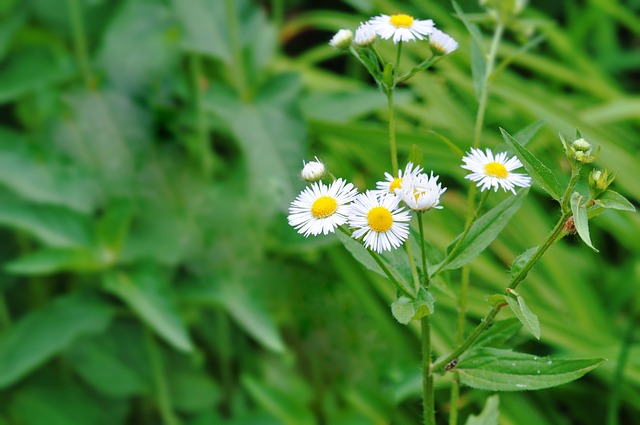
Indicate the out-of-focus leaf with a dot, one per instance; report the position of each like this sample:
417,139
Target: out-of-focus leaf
581,219
504,370
8,30
342,107
499,332
148,296
190,387
43,333
278,403
490,414
206,29
51,260
113,226
538,171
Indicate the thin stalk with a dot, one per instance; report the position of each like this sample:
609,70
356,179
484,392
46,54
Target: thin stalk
454,399
566,197
423,249
428,396
80,43
392,134
618,375
277,12
236,47
160,380
516,280
204,153
398,55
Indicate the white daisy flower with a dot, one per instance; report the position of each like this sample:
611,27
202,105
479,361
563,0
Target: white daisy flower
392,183
422,193
494,172
342,39
379,220
441,43
313,171
401,27
365,35
320,208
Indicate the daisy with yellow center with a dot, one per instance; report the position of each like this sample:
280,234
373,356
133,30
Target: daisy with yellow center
490,171
391,184
422,193
401,27
378,220
320,208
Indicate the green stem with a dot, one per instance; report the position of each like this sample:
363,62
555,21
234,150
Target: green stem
566,197
516,280
618,375
392,134
80,43
423,249
160,380
236,47
454,399
428,396
204,153
412,265
398,54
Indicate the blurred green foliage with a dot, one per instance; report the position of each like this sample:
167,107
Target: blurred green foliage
148,153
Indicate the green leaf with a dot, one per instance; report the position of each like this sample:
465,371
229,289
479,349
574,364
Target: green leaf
478,69
282,405
205,27
521,260
524,314
499,332
482,233
113,226
52,260
191,387
148,296
43,333
406,310
538,171
505,370
615,201
581,219
490,414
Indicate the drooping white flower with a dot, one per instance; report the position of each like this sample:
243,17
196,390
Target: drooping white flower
401,27
378,220
490,171
441,43
421,193
342,39
365,35
320,208
313,171
392,183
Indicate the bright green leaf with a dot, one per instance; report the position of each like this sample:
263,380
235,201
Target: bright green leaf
490,414
524,314
615,201
581,219
538,171
505,370
406,310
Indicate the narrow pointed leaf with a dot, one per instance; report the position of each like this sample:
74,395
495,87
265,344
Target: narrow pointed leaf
505,370
615,201
536,169
525,315
581,219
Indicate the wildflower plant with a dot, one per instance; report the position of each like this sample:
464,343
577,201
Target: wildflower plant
376,226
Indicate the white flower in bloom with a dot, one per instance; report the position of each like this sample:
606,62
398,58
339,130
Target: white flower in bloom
320,208
365,35
378,219
401,27
342,40
494,172
441,43
313,171
392,183
422,193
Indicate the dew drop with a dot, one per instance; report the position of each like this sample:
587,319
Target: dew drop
521,386
538,372
535,357
513,364
549,362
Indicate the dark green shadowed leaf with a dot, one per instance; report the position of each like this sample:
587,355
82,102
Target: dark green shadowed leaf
490,414
43,333
505,370
538,171
482,232
499,332
581,219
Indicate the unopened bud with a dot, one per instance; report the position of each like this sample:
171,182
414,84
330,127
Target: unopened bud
581,145
365,35
441,44
342,40
599,181
313,171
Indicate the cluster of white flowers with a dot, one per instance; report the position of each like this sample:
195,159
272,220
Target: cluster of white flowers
398,27
376,215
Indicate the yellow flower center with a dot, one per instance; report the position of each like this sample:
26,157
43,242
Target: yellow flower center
395,184
495,169
401,20
380,219
323,207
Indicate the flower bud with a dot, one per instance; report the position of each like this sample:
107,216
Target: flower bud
599,181
313,171
581,145
504,10
365,35
342,40
442,44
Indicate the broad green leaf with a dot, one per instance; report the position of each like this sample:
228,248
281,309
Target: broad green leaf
148,296
615,201
406,310
482,233
524,314
581,219
52,260
499,332
505,370
43,333
490,414
538,171
278,403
